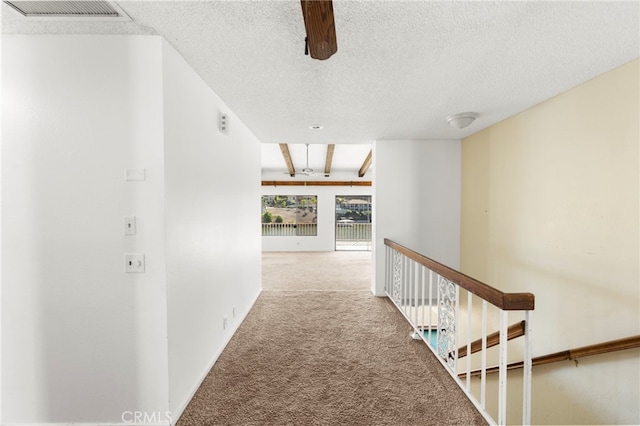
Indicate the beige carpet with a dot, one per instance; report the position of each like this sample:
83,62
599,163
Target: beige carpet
317,271
330,357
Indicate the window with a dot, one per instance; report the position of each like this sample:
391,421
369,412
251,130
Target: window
289,215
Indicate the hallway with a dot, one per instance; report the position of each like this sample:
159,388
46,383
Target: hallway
319,349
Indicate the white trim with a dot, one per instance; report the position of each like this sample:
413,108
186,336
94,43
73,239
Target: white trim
183,405
502,373
86,424
468,356
527,370
180,410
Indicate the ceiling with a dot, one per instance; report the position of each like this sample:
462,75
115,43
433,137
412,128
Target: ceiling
400,69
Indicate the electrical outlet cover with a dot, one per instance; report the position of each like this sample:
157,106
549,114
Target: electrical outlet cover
133,263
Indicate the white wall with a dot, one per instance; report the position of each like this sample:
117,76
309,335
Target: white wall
213,225
416,200
81,340
325,240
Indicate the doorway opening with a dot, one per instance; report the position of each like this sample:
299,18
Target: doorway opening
353,222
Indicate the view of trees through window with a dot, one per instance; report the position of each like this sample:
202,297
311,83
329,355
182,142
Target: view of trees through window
289,215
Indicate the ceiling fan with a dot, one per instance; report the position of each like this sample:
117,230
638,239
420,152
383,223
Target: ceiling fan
320,26
307,171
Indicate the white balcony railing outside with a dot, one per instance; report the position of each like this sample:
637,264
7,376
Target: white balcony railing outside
354,234
357,231
289,229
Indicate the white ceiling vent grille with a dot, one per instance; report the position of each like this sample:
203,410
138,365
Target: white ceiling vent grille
67,10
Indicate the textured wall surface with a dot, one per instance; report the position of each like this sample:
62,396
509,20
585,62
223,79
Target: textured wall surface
550,206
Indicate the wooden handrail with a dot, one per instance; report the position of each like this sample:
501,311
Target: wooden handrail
571,354
514,331
504,301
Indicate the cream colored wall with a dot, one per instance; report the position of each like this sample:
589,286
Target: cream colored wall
550,205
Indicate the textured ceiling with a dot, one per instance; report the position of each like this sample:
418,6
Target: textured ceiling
401,66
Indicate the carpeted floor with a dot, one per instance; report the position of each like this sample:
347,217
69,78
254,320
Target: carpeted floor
317,271
318,349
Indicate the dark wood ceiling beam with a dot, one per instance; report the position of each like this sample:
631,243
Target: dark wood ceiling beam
287,159
329,160
320,27
366,164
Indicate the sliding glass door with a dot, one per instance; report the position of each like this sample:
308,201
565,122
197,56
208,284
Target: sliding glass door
353,222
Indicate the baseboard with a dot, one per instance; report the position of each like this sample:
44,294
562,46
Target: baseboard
175,415
183,405
125,421
87,424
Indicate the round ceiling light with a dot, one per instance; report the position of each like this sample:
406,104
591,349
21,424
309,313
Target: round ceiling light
462,120
316,127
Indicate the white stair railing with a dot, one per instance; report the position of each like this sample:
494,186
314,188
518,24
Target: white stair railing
429,295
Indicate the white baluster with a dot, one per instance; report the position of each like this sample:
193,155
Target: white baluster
422,282
469,307
526,391
502,379
431,306
416,279
483,360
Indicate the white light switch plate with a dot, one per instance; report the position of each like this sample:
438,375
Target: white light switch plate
129,225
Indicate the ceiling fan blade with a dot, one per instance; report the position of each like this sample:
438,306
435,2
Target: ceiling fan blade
320,27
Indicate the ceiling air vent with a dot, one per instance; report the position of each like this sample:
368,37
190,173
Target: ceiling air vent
57,10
